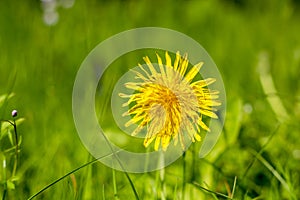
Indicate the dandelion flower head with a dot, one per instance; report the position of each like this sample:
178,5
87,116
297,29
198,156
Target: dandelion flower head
169,102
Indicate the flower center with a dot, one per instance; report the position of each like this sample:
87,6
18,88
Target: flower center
163,96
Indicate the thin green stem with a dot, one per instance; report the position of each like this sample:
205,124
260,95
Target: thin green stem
103,192
131,184
17,149
4,176
115,184
261,150
66,175
233,187
4,193
183,175
162,175
197,185
121,165
272,170
16,158
194,163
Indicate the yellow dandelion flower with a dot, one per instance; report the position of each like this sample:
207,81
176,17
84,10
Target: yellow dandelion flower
168,103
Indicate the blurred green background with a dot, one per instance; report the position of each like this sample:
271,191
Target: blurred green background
250,41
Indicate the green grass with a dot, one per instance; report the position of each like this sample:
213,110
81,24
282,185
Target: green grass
261,149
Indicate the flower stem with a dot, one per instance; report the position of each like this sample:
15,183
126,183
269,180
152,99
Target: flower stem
61,178
17,149
115,184
183,175
121,165
5,181
4,193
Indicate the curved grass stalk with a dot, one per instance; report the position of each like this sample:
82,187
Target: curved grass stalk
121,165
61,178
274,172
66,175
197,185
75,170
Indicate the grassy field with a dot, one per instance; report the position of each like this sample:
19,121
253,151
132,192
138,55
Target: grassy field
256,46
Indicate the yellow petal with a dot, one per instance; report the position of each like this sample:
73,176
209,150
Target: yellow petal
177,60
148,140
124,95
190,129
169,67
133,86
181,138
192,73
134,120
203,125
211,96
137,130
134,108
165,141
208,113
197,137
152,69
141,67
140,76
211,103
183,65
175,138
161,67
157,143
168,59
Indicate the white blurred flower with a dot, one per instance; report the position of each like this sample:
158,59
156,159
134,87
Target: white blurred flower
67,3
51,18
14,113
248,108
296,154
50,15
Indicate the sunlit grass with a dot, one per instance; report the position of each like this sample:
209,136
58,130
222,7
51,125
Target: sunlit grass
257,156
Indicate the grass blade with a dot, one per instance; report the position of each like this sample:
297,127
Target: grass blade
272,170
66,175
